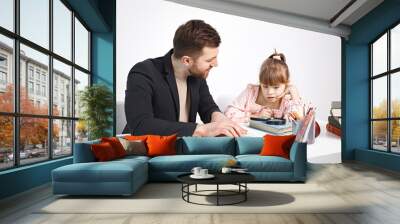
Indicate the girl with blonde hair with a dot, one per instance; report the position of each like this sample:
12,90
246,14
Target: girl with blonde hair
274,97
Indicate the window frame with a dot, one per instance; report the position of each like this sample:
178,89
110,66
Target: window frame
15,71
388,74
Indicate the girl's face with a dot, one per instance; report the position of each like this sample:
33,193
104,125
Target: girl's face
273,93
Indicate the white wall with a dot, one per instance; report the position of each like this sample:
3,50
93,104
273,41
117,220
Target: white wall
145,29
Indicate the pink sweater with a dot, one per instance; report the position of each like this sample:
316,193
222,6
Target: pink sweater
245,106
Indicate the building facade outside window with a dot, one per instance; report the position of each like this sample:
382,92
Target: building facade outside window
52,134
385,94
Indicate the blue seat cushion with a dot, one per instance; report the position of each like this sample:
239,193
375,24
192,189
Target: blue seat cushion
206,145
185,163
257,163
111,171
249,145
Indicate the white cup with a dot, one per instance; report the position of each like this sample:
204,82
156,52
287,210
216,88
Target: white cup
196,170
226,170
203,172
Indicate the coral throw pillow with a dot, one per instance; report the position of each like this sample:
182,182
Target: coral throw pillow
103,152
116,145
277,145
161,145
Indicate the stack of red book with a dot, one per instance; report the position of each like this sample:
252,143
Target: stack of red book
335,119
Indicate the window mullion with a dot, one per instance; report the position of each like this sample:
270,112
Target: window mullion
50,81
73,82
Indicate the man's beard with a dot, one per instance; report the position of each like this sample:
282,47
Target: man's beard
199,74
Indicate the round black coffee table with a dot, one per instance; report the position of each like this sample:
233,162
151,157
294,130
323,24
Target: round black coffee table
238,179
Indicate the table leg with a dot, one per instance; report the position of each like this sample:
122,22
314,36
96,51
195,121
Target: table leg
217,194
245,193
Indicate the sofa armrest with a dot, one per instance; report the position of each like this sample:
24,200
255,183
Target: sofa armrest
298,155
83,152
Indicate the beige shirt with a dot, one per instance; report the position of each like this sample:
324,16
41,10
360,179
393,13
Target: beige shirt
184,100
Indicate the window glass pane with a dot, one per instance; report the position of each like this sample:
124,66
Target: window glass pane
33,139
395,138
62,89
395,94
395,47
6,142
7,14
62,141
379,55
81,81
34,81
379,97
81,131
81,45
6,74
379,135
35,21
62,29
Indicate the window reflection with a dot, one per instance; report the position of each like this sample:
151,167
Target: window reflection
379,135
81,45
33,140
62,138
6,74
7,14
62,89
81,81
36,62
34,21
6,142
395,47
379,55
62,29
379,94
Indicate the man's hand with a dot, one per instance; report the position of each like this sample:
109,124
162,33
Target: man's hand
220,125
230,129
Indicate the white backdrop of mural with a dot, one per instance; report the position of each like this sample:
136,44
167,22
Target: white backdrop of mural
145,29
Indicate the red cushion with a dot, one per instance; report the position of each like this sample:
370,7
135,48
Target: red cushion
277,145
103,151
116,145
161,145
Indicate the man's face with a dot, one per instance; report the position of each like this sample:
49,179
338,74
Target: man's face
204,63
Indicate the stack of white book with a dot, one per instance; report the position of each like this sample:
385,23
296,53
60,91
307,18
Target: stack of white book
285,129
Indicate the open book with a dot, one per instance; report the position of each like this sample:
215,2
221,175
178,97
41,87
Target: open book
306,128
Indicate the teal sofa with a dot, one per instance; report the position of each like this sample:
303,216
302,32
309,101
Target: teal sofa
125,176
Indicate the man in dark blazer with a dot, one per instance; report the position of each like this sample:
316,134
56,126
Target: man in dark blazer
164,94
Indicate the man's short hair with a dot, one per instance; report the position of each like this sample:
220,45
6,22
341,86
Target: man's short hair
191,37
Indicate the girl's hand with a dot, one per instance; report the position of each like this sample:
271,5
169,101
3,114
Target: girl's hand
265,113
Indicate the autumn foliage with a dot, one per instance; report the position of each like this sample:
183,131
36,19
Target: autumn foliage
33,130
380,127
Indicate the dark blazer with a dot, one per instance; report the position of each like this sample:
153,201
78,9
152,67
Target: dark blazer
152,101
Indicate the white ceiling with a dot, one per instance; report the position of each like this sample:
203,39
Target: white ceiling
315,15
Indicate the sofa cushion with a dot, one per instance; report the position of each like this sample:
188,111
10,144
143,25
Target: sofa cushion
207,145
257,163
103,152
134,147
185,163
277,145
116,145
161,145
249,145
